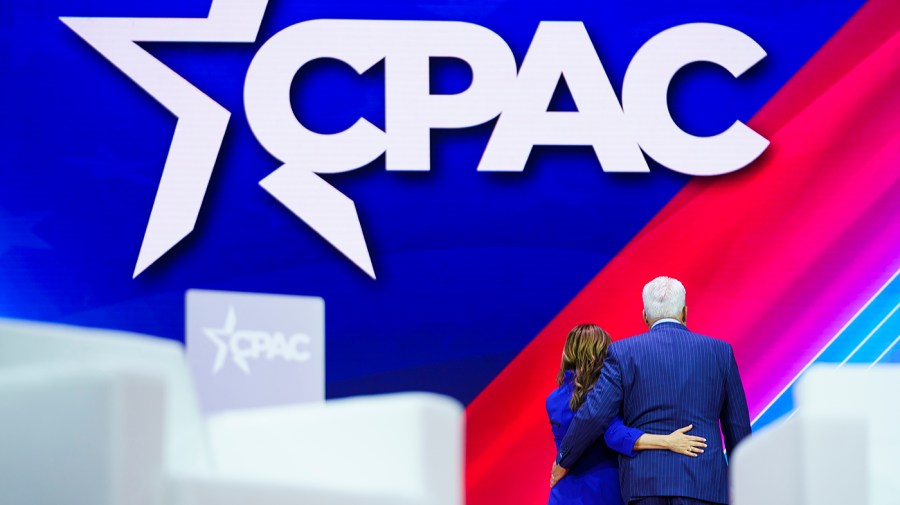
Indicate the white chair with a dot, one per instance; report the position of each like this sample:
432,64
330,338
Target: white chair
186,446
81,434
107,418
841,446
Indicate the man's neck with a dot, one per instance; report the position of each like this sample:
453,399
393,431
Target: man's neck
666,320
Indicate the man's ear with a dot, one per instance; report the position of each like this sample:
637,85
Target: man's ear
644,315
684,315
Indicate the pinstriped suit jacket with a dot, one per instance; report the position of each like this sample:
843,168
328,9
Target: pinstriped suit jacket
663,380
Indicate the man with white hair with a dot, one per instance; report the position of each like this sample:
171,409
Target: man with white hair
659,381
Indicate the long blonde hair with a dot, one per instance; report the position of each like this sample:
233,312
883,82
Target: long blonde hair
583,353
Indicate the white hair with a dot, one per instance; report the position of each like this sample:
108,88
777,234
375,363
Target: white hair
663,297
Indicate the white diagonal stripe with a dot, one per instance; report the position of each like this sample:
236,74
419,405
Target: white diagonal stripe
886,351
826,346
869,336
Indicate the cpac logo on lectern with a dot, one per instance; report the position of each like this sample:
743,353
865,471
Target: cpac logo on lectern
518,97
245,345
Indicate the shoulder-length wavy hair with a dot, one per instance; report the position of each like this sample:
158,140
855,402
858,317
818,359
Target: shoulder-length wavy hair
583,354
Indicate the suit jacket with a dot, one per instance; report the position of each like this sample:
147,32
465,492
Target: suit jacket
663,380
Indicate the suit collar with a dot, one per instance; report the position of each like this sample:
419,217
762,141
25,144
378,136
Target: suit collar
666,324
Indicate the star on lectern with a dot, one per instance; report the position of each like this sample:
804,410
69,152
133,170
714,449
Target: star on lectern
220,337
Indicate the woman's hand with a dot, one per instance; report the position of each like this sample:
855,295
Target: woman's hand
678,441
682,443
557,473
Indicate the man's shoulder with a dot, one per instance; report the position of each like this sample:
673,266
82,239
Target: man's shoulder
646,338
713,342
717,343
717,347
630,344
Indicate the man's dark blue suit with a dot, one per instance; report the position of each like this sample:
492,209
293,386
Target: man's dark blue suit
661,381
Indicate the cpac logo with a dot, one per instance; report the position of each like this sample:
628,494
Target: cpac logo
518,97
244,345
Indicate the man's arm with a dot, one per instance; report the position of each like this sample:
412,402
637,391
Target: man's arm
735,417
600,407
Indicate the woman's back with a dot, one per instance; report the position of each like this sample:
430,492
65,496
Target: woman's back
594,480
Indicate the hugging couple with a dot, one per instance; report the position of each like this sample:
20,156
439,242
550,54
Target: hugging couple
663,402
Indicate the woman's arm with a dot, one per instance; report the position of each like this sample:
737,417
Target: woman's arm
678,441
621,438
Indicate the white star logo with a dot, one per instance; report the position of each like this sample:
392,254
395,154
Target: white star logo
220,337
201,121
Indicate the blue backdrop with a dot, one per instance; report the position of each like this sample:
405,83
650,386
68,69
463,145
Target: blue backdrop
470,265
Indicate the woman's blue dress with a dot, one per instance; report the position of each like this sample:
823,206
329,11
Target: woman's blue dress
594,479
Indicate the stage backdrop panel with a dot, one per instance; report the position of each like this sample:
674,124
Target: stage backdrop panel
461,184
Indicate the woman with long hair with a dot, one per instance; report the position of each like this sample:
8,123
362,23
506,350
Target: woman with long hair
594,479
